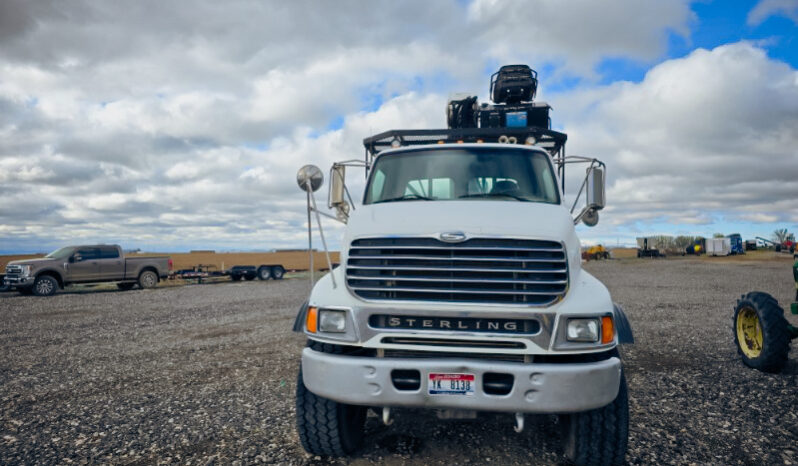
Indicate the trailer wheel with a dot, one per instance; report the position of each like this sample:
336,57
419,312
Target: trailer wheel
599,436
277,272
264,273
760,332
148,279
326,427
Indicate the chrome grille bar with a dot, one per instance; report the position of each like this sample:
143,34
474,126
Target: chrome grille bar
479,270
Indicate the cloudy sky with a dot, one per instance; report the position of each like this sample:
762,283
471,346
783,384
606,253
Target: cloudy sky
180,125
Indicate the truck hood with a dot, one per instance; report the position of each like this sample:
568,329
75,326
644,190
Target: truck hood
472,217
31,261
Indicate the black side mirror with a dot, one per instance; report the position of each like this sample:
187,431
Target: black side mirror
75,258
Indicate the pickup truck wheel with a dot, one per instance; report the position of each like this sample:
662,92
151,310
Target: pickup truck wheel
599,436
45,285
325,427
125,286
277,272
264,273
148,279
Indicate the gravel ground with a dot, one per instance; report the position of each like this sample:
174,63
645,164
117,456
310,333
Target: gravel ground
198,374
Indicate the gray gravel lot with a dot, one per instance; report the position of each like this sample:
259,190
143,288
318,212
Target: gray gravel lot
198,373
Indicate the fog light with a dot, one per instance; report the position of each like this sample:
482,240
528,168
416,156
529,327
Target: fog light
586,330
332,321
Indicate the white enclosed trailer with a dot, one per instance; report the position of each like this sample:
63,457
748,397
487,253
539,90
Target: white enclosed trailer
718,246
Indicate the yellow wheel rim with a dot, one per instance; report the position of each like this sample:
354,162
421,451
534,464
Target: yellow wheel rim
749,332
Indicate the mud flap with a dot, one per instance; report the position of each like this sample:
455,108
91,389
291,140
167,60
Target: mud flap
625,335
299,323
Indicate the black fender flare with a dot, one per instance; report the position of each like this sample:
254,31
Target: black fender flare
299,323
625,335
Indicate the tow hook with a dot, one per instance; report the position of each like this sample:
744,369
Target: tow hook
386,416
519,422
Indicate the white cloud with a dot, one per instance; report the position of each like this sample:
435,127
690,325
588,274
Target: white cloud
767,8
168,126
714,133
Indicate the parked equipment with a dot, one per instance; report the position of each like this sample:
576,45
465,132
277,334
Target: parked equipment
761,332
698,247
595,253
646,248
718,246
736,244
750,245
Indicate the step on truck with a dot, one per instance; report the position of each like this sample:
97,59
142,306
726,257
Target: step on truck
461,290
72,265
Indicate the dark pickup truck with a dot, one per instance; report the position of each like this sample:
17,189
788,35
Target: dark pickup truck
85,264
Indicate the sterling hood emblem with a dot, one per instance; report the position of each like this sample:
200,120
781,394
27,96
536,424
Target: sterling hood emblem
453,237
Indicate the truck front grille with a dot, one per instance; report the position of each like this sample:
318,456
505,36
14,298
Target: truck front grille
479,270
13,270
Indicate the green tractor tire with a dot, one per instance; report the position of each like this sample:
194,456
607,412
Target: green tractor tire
761,332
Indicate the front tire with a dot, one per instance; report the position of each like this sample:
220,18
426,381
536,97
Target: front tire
599,436
148,279
760,332
45,285
326,427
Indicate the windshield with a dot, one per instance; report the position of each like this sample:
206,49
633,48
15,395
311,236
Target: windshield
62,253
468,173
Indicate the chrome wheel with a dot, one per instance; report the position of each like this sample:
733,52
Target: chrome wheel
45,286
148,279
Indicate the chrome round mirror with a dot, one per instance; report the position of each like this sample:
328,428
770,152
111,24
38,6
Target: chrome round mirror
590,218
312,174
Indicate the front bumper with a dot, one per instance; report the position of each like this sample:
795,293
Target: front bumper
18,281
537,388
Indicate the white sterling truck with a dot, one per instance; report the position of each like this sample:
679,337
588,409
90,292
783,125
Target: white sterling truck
461,290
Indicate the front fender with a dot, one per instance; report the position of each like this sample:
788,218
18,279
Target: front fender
299,322
623,326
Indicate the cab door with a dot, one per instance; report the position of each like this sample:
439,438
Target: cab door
112,266
84,265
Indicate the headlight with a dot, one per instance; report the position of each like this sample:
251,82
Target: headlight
25,270
585,330
332,321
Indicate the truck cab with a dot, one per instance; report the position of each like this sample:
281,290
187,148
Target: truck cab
461,289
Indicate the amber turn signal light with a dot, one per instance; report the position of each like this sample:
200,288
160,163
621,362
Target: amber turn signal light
607,330
312,319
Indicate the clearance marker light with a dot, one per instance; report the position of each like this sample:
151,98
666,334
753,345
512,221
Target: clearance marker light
312,319
607,330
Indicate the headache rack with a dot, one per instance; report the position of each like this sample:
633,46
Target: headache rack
551,141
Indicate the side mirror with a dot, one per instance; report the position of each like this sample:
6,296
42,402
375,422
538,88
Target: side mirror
74,258
595,189
336,198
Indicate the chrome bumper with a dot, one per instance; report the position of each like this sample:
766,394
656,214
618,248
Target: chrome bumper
18,281
537,388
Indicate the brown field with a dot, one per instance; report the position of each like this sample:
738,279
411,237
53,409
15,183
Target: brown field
298,260
291,260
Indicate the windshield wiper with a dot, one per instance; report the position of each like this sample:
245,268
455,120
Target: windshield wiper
514,196
406,197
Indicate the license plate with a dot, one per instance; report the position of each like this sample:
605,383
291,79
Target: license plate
451,384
